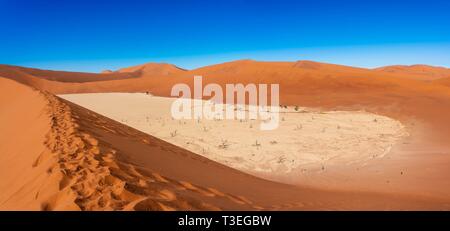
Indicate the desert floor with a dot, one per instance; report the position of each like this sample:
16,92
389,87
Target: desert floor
307,144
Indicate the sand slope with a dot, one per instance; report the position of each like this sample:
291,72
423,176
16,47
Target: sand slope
444,81
72,158
420,72
29,174
62,76
153,69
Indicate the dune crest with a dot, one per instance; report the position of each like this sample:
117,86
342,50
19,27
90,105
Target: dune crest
153,69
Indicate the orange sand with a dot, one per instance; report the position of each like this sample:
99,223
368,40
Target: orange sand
59,156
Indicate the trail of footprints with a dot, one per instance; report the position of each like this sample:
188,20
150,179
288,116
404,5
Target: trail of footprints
95,180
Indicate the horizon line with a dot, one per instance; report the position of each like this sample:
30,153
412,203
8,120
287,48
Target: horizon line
218,63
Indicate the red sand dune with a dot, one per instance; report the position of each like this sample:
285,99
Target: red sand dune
153,69
62,76
443,81
423,106
421,72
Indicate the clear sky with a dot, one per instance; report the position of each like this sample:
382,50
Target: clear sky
94,35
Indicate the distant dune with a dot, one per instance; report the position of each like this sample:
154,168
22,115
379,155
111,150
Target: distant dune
153,69
422,72
60,156
308,74
62,76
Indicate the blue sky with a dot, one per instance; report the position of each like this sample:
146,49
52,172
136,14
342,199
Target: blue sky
96,35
